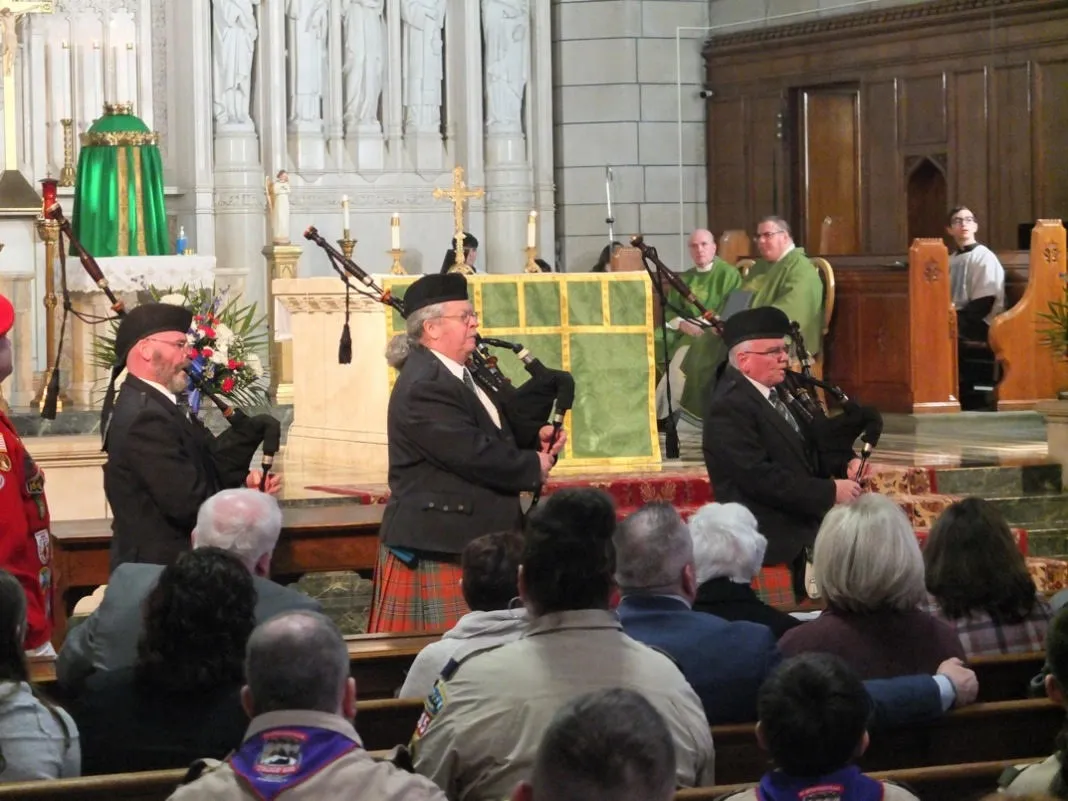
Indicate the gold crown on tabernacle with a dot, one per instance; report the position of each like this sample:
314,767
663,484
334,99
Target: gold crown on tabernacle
119,108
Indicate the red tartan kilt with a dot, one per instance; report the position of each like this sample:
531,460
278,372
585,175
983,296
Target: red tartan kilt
774,585
421,598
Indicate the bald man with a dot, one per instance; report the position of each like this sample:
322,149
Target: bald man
711,279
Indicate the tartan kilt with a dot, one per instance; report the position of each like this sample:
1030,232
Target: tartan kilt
421,598
774,585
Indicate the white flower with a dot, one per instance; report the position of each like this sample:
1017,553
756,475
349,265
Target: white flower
191,339
174,299
219,356
253,361
223,335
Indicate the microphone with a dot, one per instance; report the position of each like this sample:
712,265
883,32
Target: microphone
873,430
272,439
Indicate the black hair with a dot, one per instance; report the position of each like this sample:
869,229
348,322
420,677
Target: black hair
972,563
606,257
813,712
568,556
490,565
197,620
953,212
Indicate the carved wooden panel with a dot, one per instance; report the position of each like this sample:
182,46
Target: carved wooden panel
727,184
924,117
969,154
882,176
1052,127
932,328
767,159
830,146
1011,171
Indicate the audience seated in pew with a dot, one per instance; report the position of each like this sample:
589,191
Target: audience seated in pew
244,522
38,740
180,700
606,745
1050,776
301,741
867,564
480,731
490,565
813,718
726,663
978,582
728,552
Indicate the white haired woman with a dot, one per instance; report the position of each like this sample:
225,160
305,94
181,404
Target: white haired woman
728,550
868,567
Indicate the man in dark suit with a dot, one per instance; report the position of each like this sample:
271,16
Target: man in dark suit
244,522
161,463
727,662
757,453
455,471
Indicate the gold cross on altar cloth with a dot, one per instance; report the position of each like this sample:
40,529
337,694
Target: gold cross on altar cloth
459,195
10,13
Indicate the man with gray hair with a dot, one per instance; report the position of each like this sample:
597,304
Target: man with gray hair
244,522
605,745
455,468
301,742
726,663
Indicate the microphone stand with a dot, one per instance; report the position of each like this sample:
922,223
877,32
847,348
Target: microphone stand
671,431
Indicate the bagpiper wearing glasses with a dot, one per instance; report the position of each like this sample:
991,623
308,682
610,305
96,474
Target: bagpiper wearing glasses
758,454
455,471
161,462
782,277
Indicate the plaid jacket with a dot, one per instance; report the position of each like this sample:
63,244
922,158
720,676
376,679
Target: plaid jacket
981,635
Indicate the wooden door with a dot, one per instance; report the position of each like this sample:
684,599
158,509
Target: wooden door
830,170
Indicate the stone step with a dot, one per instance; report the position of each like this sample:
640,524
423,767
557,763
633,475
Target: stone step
1000,481
1048,542
1034,511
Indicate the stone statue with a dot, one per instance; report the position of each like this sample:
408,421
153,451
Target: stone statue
422,22
10,40
505,28
306,41
233,45
278,207
364,36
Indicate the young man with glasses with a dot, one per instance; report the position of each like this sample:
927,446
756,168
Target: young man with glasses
761,456
161,464
782,277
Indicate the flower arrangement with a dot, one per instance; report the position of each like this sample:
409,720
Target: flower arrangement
223,344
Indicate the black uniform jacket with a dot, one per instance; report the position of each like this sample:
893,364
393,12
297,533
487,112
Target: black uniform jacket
453,475
159,470
756,459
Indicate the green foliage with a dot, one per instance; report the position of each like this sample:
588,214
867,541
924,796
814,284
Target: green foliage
1055,335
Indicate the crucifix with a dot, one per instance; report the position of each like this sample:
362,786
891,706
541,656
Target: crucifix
459,195
11,11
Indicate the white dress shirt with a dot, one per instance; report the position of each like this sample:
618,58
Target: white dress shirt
458,370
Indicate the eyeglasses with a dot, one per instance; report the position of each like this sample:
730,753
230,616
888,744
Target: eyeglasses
183,344
782,350
962,220
767,234
464,318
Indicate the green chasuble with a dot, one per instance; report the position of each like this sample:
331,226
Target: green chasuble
118,195
792,284
711,288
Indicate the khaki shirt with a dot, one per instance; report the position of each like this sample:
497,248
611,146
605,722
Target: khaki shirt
1033,779
354,776
484,720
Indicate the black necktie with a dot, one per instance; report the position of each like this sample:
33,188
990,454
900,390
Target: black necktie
781,408
469,382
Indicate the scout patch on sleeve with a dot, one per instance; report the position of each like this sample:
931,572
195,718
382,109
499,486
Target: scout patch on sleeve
44,546
432,707
35,485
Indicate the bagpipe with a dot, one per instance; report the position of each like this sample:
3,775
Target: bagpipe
705,317
234,449
543,399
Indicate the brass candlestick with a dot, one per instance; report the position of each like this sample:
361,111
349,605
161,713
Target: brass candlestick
48,230
531,265
67,174
397,268
347,243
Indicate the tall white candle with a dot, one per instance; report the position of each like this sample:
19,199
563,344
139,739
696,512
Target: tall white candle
95,79
121,76
532,230
394,229
345,213
132,75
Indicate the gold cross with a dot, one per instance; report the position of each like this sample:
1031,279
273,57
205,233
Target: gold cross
10,13
459,195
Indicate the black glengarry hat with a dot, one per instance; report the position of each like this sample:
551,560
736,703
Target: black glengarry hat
434,288
766,322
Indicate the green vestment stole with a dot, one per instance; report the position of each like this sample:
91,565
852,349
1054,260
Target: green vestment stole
792,284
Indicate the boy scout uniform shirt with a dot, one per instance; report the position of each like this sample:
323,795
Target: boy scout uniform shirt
354,776
485,718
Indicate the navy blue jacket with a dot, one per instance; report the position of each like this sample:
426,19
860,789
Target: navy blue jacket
727,662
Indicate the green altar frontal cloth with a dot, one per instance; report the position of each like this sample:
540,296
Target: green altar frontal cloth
598,327
118,195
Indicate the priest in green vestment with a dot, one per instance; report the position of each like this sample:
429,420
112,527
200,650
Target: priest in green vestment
118,195
711,279
782,277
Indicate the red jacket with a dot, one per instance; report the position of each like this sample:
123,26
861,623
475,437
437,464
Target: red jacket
25,544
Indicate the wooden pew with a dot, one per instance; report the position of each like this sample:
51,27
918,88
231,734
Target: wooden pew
966,782
1006,677
1031,371
341,536
1017,730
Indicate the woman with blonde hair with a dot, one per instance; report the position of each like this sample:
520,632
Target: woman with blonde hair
868,567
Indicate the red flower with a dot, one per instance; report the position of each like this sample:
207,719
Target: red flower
208,332
198,318
228,384
208,352
231,364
